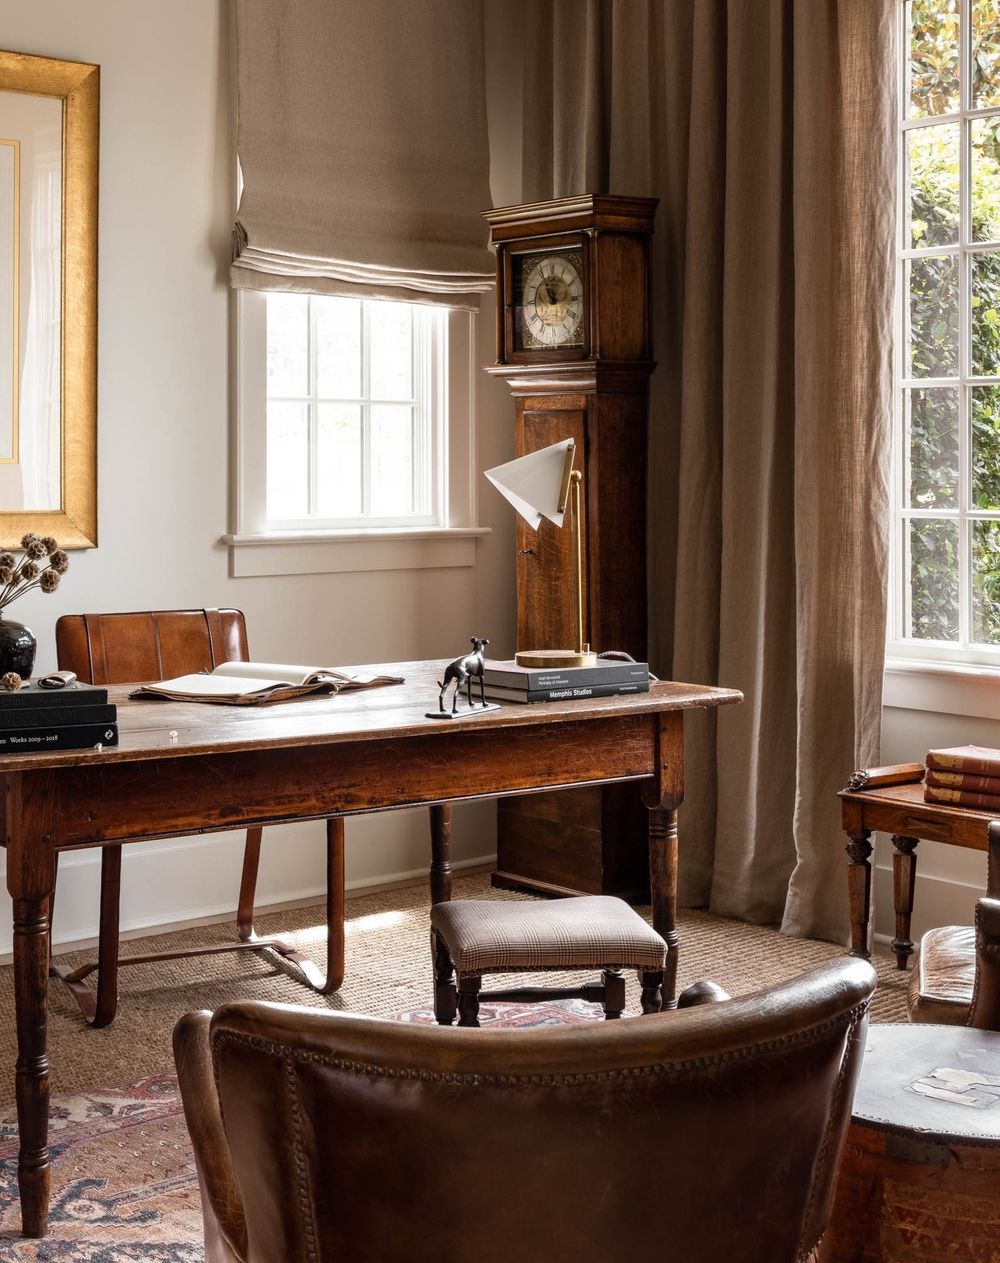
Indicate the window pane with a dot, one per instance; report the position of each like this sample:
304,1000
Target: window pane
392,460
933,287
390,328
985,53
338,347
338,460
287,345
934,580
932,171
287,460
985,179
986,447
986,583
933,67
931,418
986,314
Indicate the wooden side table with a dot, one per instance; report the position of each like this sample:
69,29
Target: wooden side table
899,810
919,1179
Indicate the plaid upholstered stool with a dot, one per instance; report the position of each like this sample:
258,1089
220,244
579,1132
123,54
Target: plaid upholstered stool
473,937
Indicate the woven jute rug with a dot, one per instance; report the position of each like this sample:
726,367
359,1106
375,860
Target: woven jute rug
124,1187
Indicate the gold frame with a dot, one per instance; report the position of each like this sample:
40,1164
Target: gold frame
77,85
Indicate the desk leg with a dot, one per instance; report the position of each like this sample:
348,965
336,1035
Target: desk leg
441,853
859,886
904,874
663,889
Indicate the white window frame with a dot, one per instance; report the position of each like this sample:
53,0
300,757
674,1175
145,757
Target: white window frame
258,547
902,652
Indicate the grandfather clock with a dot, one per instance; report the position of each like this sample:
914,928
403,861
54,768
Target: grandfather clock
574,344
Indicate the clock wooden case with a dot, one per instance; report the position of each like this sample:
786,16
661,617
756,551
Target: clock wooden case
574,342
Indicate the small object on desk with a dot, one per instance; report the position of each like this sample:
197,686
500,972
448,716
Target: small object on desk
464,671
11,681
894,774
57,680
256,683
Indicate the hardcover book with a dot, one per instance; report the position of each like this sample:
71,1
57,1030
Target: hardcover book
612,671
30,696
56,716
497,693
979,760
962,798
967,781
66,737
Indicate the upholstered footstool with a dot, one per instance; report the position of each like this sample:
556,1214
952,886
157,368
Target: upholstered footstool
942,984
473,937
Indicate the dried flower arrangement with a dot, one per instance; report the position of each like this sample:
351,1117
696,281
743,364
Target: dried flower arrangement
41,566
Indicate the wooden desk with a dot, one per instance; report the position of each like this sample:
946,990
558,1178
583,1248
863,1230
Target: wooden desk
188,768
899,810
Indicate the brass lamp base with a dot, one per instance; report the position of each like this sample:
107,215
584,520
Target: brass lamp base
554,658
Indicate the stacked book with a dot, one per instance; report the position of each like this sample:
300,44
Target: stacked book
964,776
71,718
508,682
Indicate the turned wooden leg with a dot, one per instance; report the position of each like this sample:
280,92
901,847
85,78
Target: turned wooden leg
445,993
248,885
663,886
440,853
859,886
614,993
107,944
651,981
468,999
904,874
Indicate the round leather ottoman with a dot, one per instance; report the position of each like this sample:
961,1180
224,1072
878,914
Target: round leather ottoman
920,1176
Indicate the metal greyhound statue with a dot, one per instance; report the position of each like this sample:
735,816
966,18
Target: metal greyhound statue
464,671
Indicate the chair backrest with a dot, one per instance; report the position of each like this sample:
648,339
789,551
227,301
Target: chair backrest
710,1135
149,644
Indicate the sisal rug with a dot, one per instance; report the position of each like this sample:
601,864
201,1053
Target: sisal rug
124,1186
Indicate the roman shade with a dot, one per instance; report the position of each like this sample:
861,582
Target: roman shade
363,146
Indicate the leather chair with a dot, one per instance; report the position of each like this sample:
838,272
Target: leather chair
709,1134
957,976
156,645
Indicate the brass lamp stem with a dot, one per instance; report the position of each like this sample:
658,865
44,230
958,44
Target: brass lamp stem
576,478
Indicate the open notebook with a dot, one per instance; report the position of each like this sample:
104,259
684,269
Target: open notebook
253,683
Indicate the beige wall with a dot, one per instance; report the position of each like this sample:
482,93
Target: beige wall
165,415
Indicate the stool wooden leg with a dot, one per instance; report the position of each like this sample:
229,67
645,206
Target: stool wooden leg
859,887
440,853
904,873
468,999
614,993
652,981
445,995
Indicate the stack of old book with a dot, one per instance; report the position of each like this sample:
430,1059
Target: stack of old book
508,682
964,776
73,718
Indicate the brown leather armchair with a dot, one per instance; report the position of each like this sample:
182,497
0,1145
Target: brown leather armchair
707,1135
957,975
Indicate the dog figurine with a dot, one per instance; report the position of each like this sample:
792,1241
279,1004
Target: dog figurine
463,671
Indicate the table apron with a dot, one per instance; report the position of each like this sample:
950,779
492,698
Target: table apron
967,831
108,802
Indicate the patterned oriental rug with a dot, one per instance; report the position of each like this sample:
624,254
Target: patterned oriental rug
124,1187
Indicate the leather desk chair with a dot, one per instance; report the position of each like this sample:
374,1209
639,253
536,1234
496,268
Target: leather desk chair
709,1134
157,645
957,975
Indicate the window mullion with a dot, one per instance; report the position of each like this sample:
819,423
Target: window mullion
366,413
964,351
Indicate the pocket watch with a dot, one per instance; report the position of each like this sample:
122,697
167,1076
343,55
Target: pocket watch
550,313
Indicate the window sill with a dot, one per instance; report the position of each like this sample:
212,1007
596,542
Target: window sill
342,552
946,688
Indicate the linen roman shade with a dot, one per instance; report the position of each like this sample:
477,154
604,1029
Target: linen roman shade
364,151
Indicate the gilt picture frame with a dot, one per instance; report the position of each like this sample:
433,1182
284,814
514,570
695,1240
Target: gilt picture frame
49,127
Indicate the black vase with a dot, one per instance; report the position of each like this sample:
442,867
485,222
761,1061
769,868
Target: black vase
17,648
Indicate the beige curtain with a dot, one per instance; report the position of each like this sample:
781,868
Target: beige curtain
766,128
363,148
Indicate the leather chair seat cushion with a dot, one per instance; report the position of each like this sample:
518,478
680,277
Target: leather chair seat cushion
941,985
485,936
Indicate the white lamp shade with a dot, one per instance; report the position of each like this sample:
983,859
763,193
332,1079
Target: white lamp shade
533,483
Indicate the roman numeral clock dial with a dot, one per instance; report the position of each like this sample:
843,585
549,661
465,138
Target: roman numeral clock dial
551,311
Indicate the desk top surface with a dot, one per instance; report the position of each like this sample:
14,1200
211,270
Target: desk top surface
163,729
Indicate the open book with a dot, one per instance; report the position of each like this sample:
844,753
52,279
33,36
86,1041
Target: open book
252,683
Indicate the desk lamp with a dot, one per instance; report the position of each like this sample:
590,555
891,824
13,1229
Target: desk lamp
540,485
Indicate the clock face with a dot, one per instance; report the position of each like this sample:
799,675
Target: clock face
551,309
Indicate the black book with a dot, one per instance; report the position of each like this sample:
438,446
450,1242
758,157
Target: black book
497,693
66,737
29,696
56,716
530,679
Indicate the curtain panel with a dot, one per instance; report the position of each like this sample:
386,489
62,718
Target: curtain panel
363,147
767,130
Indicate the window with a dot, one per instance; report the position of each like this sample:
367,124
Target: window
946,545
355,434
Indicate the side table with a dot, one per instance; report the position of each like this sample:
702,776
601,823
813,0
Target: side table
920,1175
899,810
